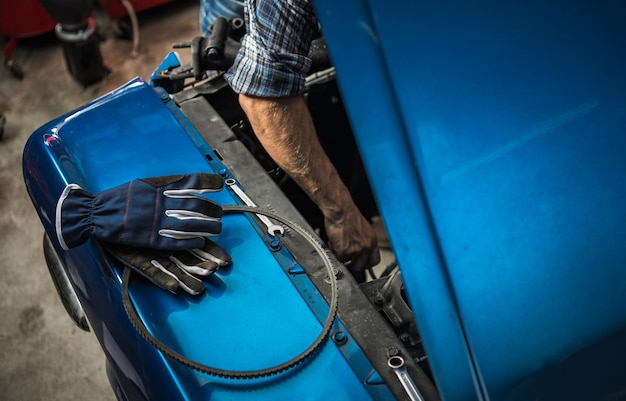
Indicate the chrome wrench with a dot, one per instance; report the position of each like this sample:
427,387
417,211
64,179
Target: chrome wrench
397,364
272,229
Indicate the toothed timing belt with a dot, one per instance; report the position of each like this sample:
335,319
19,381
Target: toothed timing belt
250,374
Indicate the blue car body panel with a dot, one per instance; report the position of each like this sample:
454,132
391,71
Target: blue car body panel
494,136
252,315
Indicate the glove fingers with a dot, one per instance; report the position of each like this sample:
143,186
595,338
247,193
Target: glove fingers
188,230
194,265
140,262
192,207
188,184
157,267
212,252
162,181
186,281
199,217
160,277
210,181
199,183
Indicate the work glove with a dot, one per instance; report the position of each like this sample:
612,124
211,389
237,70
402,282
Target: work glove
171,270
157,213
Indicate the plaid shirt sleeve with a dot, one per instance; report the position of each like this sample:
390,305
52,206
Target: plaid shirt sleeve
272,60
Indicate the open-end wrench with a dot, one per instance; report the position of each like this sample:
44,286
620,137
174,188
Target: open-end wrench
397,364
272,229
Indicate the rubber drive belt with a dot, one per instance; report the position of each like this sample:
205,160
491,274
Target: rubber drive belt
250,374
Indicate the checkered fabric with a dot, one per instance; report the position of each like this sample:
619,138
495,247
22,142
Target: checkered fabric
272,60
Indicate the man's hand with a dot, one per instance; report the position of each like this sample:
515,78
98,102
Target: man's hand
353,241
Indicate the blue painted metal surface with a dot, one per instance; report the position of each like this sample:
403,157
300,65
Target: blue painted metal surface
172,60
494,135
252,314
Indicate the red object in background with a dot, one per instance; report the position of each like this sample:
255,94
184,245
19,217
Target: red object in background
20,19
23,18
116,10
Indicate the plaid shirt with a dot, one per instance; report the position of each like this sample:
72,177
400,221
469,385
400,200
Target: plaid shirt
272,60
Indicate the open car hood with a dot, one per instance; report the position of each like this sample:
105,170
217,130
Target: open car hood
494,138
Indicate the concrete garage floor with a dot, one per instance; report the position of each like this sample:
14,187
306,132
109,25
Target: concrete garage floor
43,355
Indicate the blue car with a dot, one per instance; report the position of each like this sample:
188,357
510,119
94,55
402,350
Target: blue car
491,139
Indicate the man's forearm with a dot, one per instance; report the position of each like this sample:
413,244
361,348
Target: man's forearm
286,131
